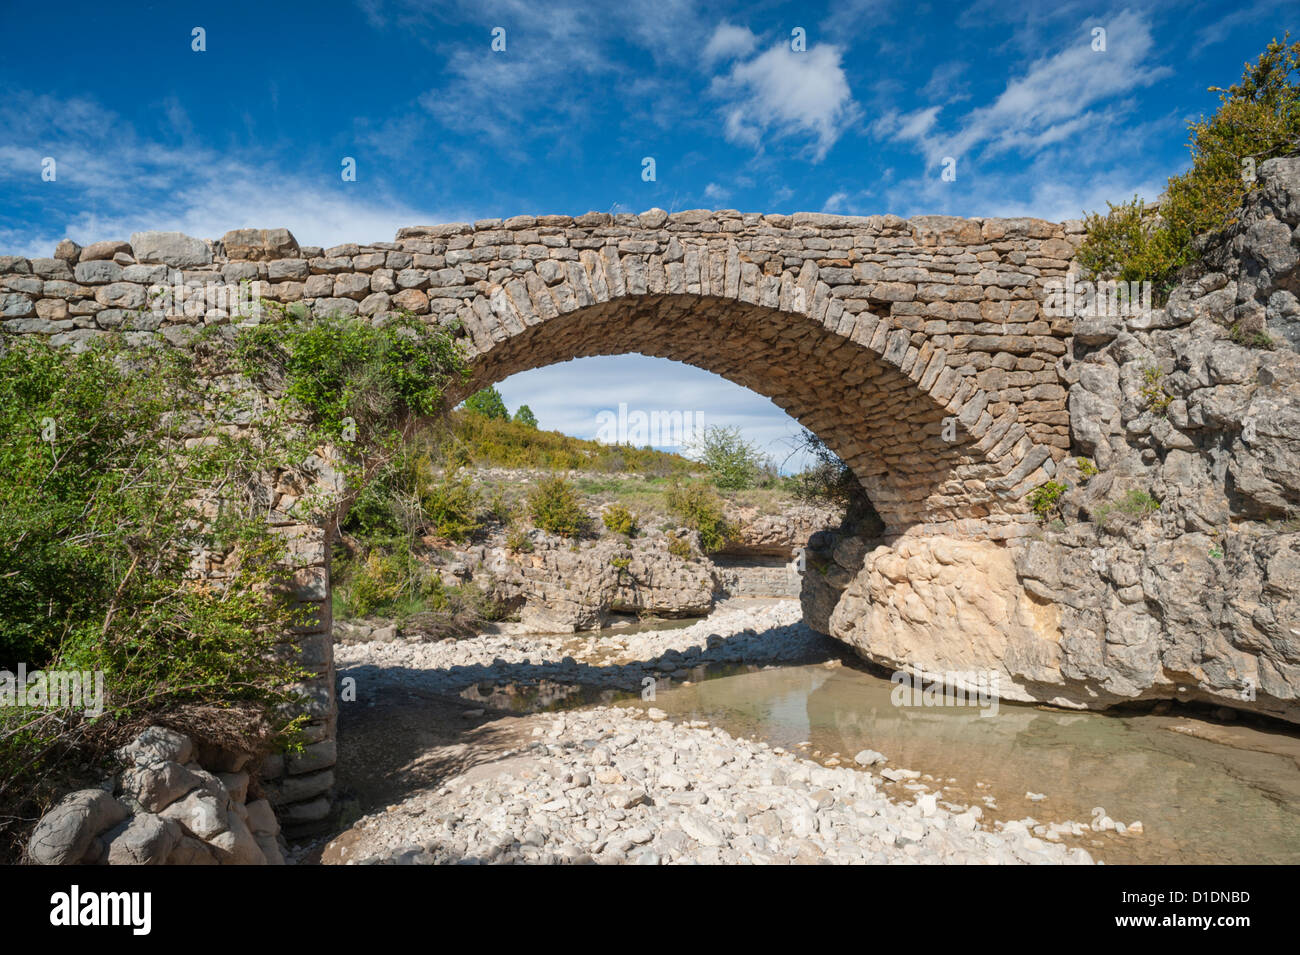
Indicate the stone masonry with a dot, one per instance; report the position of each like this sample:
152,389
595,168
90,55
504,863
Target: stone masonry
916,348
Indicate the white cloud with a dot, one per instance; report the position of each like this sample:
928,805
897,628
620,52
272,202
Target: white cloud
1068,94
568,397
715,193
729,42
112,182
781,94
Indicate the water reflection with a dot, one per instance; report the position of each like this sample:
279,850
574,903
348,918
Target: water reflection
1199,801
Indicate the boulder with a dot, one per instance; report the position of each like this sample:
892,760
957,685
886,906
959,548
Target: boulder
64,834
170,248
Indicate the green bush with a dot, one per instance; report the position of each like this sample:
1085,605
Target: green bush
524,415
354,379
700,509
733,462
679,546
1086,467
620,520
1257,119
1153,391
451,503
1045,501
115,499
556,508
517,540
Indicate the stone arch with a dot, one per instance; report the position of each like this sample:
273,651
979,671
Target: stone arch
878,407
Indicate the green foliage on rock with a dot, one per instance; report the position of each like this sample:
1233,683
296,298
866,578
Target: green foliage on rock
1153,391
351,378
556,507
700,509
1045,501
620,520
1257,119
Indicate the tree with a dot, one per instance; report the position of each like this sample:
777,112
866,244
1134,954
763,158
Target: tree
525,416
488,403
734,463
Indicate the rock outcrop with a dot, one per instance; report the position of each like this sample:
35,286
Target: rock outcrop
1172,569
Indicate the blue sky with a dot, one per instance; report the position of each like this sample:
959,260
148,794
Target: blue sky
148,133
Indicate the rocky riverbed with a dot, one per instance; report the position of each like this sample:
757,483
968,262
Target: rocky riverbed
612,785
616,784
754,632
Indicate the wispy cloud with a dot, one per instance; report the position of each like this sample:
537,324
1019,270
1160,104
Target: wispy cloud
1058,97
781,93
646,384
113,179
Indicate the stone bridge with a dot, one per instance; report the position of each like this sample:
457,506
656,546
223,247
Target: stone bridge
917,349
870,331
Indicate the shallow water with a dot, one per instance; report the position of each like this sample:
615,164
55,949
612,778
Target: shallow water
1200,802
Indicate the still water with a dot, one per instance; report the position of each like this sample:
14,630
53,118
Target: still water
1199,801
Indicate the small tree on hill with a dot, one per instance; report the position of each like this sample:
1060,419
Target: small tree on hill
488,403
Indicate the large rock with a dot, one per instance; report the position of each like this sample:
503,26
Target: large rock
560,588
1174,570
170,248
156,786
144,839
157,744
64,834
257,245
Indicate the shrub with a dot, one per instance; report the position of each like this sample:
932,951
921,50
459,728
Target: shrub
700,509
556,508
733,462
1045,501
828,480
1249,339
353,379
1257,119
451,504
620,520
524,415
1153,391
679,546
1086,467
1138,503
115,499
517,540
1135,503
374,584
